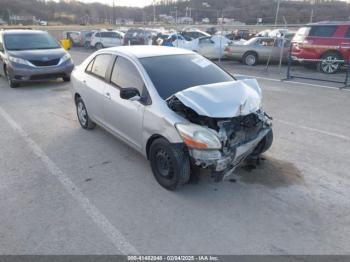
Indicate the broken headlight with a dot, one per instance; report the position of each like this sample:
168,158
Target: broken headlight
198,137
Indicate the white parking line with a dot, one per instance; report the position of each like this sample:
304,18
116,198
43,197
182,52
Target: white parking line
100,220
346,138
297,82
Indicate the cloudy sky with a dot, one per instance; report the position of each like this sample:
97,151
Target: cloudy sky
138,3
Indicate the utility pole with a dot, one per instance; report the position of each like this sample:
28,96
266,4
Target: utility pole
277,11
114,18
154,11
312,15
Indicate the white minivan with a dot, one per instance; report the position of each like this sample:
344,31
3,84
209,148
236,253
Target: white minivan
102,39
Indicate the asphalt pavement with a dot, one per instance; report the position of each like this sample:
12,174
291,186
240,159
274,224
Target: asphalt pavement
64,190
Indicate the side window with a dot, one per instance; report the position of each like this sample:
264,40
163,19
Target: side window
100,65
89,67
323,31
98,35
347,33
125,75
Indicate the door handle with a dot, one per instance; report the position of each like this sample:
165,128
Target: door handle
84,81
108,96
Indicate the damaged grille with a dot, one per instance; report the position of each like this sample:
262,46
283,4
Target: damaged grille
240,129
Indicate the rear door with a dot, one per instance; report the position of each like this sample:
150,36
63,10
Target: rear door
116,39
125,117
345,45
94,86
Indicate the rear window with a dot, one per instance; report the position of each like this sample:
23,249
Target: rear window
174,73
301,34
323,31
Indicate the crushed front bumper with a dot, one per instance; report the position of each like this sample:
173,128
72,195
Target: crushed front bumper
221,163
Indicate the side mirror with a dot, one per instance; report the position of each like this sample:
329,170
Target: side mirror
130,93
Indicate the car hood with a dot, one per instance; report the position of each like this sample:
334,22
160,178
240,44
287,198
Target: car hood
223,100
42,54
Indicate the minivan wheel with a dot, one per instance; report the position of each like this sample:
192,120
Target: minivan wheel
170,164
11,83
250,59
83,115
329,64
99,46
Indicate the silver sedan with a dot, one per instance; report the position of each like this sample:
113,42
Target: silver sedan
259,49
175,107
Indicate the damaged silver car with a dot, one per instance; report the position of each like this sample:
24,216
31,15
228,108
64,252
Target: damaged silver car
178,109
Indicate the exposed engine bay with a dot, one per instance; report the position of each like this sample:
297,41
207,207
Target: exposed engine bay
234,133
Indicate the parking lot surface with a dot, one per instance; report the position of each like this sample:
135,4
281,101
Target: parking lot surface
65,190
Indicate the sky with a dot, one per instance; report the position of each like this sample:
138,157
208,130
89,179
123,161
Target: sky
135,3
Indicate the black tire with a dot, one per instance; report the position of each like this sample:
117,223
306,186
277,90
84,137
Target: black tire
170,164
83,116
327,66
250,58
264,145
99,46
11,83
66,78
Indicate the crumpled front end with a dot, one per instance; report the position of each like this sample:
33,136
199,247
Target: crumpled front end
230,123
241,137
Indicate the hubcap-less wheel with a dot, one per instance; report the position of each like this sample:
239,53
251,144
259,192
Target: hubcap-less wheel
330,65
164,164
250,60
82,114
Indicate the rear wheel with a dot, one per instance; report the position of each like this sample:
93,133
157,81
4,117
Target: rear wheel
329,63
250,59
83,115
170,164
11,83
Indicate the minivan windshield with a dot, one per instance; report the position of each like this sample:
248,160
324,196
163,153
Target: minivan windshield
29,41
174,73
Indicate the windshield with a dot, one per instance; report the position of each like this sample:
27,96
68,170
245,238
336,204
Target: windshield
301,34
175,73
30,41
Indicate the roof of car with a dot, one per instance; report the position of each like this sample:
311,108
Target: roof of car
22,31
331,23
149,50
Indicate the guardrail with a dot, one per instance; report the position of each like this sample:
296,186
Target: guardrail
290,74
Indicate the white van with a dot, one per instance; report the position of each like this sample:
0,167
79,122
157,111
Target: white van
102,39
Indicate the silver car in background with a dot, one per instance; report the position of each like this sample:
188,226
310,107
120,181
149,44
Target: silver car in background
259,49
178,109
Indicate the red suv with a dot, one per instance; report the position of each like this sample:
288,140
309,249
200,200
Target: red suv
328,42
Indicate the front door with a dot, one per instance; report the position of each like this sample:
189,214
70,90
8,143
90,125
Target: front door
125,117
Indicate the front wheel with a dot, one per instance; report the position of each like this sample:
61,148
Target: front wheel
330,63
83,115
170,164
99,46
11,83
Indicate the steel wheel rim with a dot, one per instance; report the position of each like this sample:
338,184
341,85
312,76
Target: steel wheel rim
163,164
250,60
82,114
329,65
